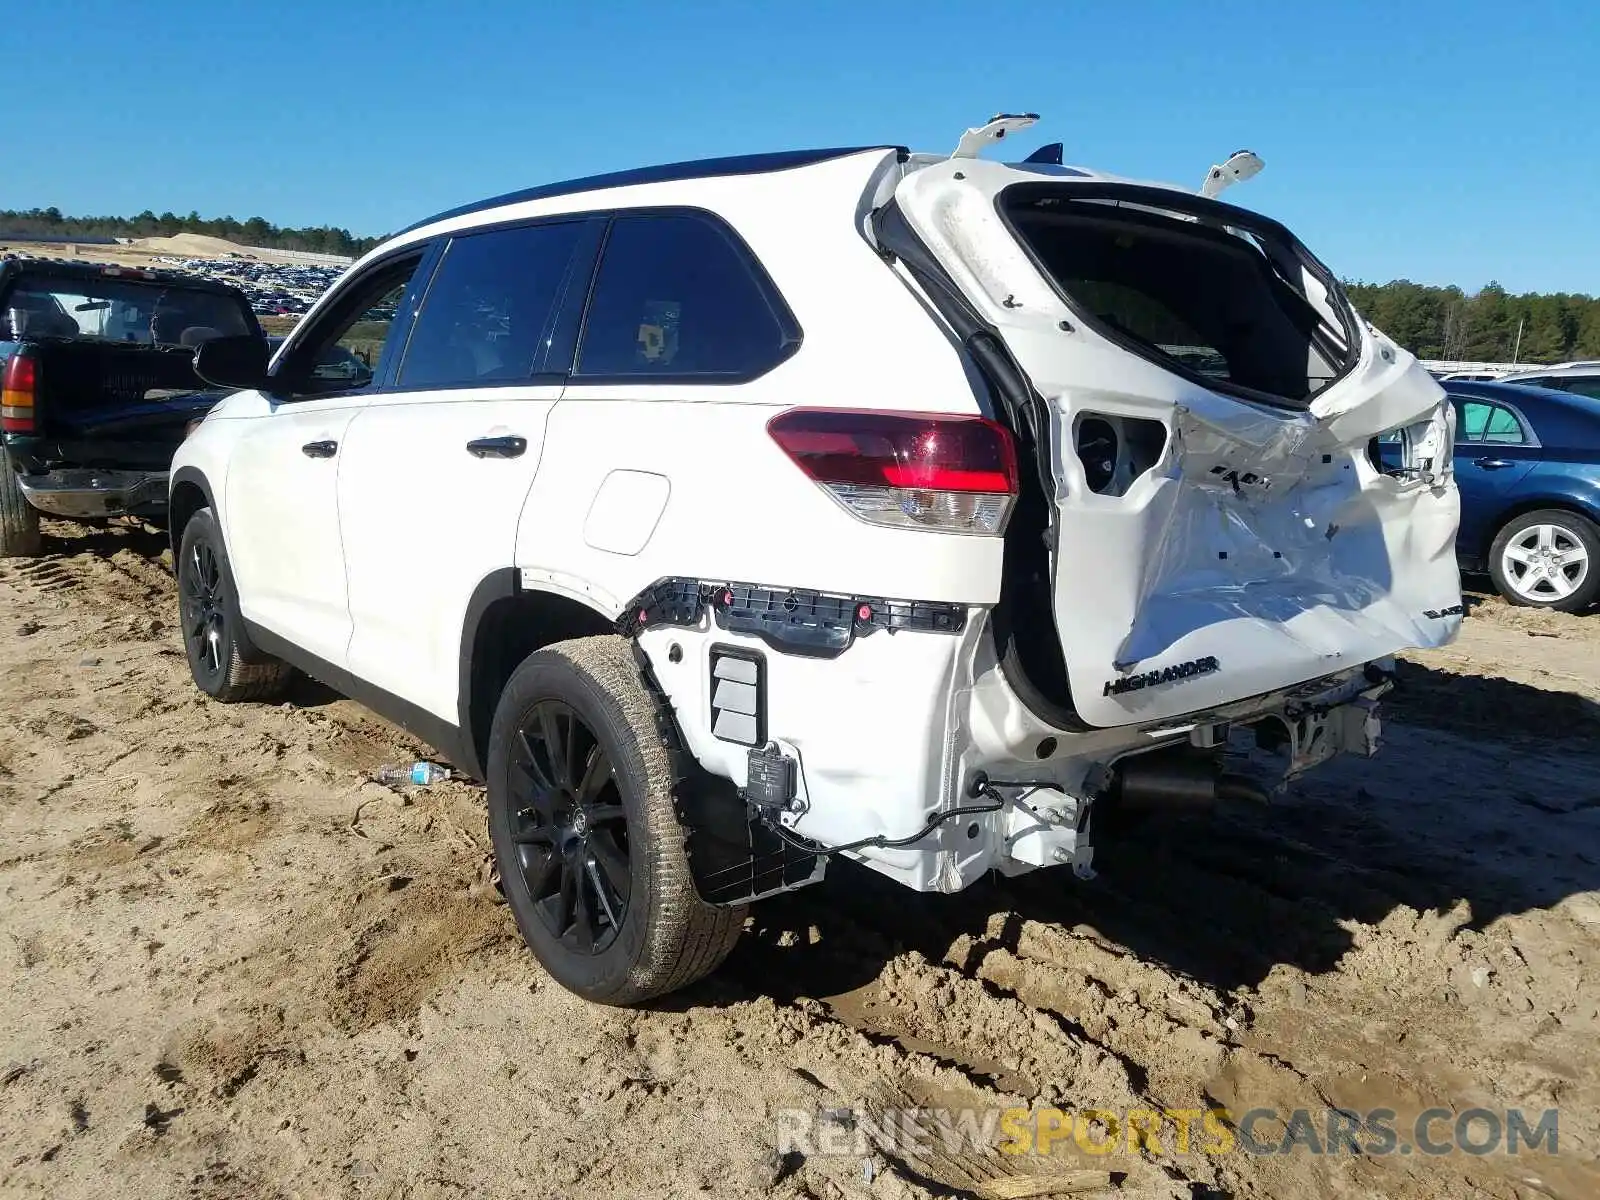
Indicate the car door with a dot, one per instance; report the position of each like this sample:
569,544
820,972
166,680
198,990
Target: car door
280,503
1495,448
436,468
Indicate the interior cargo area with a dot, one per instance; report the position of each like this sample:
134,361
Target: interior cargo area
1237,307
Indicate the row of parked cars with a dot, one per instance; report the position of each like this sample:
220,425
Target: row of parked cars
727,517
274,289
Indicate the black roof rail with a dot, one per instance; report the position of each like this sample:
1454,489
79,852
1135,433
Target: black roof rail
703,168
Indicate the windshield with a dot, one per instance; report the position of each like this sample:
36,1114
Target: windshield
120,310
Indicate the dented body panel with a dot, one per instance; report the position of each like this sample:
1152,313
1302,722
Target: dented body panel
1259,546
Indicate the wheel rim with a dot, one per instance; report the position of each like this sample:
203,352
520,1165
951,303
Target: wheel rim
204,616
1545,563
569,828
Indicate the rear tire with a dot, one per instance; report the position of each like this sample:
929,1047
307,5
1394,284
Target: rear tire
1549,558
19,520
212,627
586,838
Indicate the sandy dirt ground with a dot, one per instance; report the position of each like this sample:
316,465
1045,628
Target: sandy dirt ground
233,967
144,251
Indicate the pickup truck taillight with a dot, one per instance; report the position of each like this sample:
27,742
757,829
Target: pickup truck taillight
16,394
936,471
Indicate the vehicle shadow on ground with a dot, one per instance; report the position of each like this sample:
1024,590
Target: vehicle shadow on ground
1485,794
306,692
103,541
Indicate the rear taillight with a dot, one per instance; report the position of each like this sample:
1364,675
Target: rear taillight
912,470
16,394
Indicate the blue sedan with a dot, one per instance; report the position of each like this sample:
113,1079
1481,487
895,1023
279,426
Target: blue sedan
1527,463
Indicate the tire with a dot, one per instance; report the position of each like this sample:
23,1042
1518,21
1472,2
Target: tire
591,855
1549,558
19,520
221,660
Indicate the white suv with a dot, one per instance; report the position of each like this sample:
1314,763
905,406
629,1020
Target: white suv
725,516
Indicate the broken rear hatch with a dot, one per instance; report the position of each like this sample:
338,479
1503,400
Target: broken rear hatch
1219,529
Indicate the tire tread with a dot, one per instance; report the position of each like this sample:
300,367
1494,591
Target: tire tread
19,520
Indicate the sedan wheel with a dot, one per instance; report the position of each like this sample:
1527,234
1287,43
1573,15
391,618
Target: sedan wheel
1547,559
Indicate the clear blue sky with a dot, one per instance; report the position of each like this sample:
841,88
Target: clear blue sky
1439,140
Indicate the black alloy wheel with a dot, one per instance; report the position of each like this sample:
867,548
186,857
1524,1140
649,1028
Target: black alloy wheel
588,840
570,828
223,662
205,619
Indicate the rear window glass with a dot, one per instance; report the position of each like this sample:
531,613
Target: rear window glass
1217,303
120,311
676,297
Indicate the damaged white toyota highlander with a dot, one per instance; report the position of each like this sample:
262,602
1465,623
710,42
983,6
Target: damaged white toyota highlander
727,516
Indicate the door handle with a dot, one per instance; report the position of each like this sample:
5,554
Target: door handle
497,447
323,449
1492,464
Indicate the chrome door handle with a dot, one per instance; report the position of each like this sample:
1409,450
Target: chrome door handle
322,449
497,447
1492,464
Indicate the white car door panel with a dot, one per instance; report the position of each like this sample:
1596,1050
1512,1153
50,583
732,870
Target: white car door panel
424,519
436,469
283,526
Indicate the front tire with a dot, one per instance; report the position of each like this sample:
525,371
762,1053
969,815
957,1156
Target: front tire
1549,558
586,834
213,629
19,520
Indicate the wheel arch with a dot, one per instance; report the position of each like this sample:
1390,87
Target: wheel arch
189,492
505,622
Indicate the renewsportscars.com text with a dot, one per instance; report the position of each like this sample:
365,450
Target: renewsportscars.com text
1214,1131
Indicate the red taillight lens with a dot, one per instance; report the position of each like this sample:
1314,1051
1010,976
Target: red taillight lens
16,395
915,470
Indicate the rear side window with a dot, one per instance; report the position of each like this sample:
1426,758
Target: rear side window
1586,386
487,314
676,297
1484,422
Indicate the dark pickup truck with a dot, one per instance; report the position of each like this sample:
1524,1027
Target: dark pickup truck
97,386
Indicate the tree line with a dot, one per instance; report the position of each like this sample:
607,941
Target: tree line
1447,323
18,224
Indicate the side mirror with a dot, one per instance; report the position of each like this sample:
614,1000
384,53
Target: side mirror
238,363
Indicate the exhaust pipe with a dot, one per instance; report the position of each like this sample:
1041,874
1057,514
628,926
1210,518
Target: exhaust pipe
1178,781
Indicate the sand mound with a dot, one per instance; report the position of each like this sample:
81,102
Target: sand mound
194,245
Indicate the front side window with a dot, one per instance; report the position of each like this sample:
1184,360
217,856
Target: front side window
675,297
488,313
1482,422
343,351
